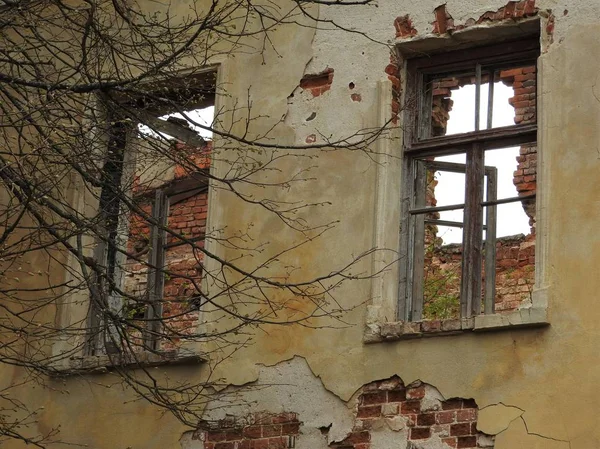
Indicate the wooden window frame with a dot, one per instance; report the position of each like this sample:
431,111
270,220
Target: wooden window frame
193,90
419,145
176,191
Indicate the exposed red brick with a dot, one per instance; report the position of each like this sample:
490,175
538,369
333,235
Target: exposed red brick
452,404
378,397
466,415
398,395
318,83
369,412
272,430
252,432
421,426
217,436
391,69
356,97
415,393
260,444
420,433
460,429
450,441
290,428
466,442
445,417
426,419
278,443
443,20
404,27
225,445
356,438
410,407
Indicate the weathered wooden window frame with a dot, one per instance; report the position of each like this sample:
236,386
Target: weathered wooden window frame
418,144
164,197
143,109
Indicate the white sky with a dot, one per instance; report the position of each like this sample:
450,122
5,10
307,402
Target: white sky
450,188
203,116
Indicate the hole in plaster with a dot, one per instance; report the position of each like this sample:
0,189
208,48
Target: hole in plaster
351,85
311,117
565,12
325,429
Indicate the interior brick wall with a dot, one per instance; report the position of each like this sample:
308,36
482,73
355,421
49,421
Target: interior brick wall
184,264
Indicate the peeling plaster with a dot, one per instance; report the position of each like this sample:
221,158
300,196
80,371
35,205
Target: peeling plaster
384,413
289,386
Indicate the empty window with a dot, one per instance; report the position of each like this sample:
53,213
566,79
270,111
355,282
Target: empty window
153,207
468,205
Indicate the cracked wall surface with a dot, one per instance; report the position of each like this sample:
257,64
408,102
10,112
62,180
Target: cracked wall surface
534,388
299,412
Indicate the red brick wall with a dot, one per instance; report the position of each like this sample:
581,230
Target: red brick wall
512,10
182,263
256,431
454,421
425,418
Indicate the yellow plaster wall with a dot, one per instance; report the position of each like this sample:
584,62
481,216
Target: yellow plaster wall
550,374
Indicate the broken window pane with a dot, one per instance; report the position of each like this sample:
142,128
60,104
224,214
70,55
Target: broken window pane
448,188
507,99
516,177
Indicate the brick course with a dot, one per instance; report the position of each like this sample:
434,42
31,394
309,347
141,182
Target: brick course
453,420
257,431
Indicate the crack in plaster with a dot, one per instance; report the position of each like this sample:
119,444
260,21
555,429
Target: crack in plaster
485,427
542,436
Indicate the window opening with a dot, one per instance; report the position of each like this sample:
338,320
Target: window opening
468,227
152,249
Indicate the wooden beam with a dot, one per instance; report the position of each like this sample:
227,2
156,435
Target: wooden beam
490,244
470,299
418,260
487,139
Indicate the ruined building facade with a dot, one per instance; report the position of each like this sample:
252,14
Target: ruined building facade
478,342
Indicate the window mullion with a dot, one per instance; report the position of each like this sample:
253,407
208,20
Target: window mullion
418,256
156,270
477,96
490,106
470,297
405,284
490,242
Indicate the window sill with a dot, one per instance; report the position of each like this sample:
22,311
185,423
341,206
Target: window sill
403,330
105,363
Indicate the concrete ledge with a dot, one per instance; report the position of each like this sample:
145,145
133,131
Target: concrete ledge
403,330
471,36
105,363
